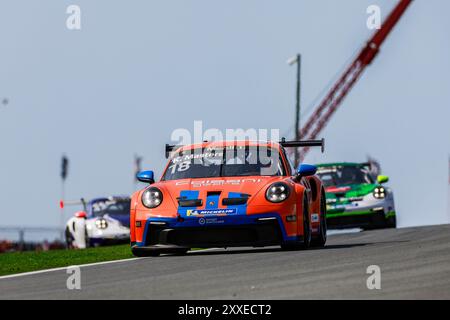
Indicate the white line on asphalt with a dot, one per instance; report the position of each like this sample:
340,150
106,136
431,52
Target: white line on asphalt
206,250
83,265
343,231
64,268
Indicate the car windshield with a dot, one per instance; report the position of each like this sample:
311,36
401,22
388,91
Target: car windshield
343,176
231,161
111,207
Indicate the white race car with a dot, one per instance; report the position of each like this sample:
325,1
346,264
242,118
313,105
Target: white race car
103,221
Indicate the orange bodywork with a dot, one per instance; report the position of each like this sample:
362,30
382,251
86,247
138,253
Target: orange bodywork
288,213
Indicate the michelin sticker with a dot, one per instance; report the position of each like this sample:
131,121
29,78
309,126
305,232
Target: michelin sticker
314,217
210,212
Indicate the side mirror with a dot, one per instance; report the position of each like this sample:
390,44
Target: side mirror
382,179
146,176
306,170
81,214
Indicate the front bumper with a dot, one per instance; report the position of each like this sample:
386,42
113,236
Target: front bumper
115,233
372,217
110,240
214,231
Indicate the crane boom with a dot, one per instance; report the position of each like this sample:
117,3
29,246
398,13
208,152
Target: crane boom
340,89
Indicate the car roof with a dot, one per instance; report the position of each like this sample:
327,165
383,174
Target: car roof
108,198
340,164
227,143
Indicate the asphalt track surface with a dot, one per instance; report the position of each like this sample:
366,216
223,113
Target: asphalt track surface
414,262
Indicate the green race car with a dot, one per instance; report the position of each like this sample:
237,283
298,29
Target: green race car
356,197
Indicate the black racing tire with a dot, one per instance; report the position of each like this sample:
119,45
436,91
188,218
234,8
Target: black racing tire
391,222
307,237
307,234
377,221
69,238
320,240
86,238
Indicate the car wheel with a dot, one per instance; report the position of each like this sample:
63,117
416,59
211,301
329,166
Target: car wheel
69,238
320,240
377,221
391,222
306,234
86,239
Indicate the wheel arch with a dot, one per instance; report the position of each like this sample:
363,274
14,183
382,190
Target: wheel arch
317,192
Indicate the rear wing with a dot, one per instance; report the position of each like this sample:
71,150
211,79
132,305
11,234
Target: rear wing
367,165
170,148
303,143
83,202
286,144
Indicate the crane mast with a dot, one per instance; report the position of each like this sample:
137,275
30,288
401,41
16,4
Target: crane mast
328,106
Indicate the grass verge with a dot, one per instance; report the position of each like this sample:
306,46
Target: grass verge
18,262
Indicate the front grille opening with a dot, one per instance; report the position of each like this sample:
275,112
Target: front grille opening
262,234
190,202
355,221
234,201
212,236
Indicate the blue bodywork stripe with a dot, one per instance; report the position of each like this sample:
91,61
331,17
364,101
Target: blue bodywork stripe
240,208
187,195
212,202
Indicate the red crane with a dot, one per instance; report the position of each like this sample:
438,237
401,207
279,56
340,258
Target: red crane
322,114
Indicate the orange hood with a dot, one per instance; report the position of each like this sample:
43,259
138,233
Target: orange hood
223,185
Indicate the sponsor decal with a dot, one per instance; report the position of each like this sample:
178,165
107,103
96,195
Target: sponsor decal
337,189
322,170
338,207
315,217
203,221
204,183
214,221
194,212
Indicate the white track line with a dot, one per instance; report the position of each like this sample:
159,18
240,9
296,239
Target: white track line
332,232
64,268
83,265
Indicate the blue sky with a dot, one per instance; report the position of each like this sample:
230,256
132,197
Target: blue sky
138,70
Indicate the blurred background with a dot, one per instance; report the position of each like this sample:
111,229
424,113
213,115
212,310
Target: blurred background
136,71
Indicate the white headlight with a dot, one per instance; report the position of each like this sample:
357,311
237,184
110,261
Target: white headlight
379,193
277,192
152,197
101,223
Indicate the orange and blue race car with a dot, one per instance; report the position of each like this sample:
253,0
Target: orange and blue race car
229,194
